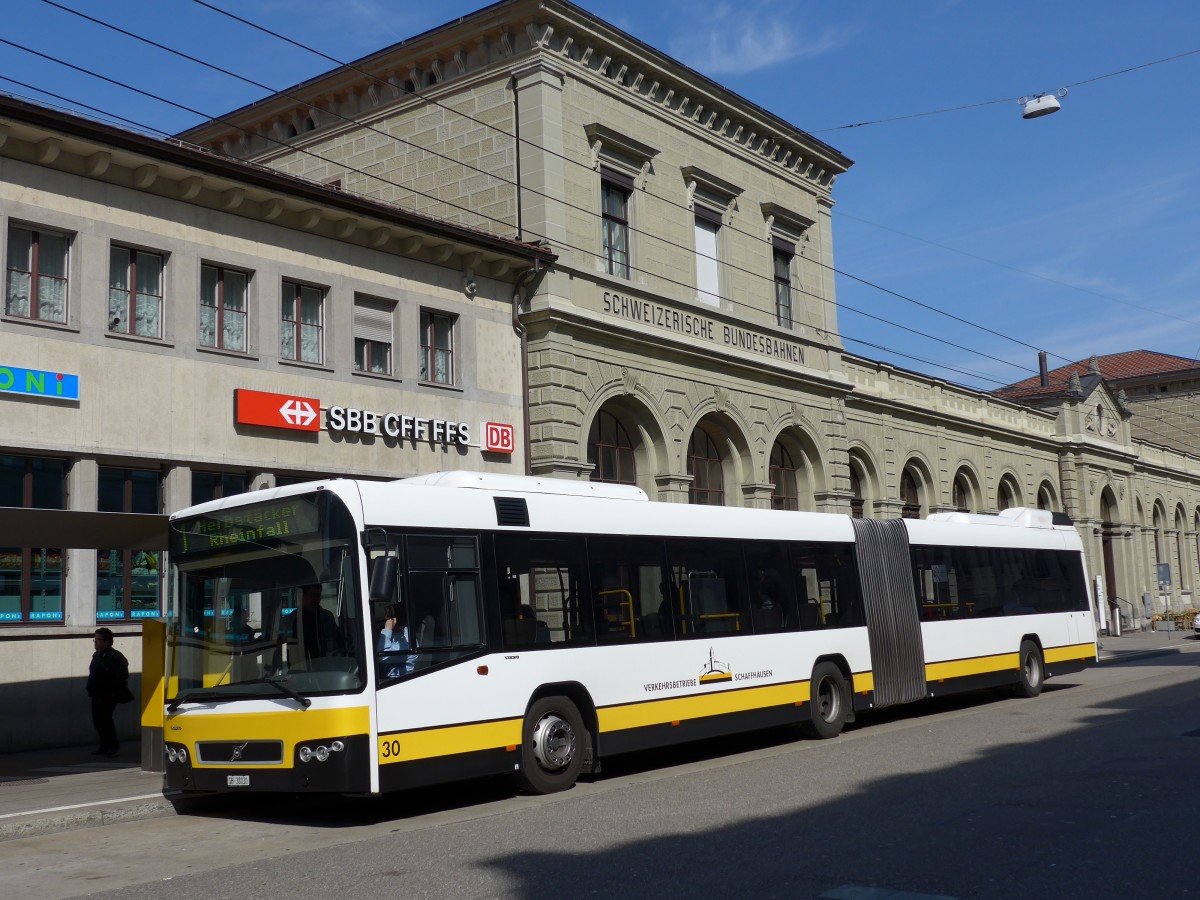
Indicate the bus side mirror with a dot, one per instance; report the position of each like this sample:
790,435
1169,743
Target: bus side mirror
383,577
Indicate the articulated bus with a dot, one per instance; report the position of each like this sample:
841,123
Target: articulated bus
362,637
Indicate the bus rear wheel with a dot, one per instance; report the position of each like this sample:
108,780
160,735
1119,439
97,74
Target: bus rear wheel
1032,671
552,745
828,702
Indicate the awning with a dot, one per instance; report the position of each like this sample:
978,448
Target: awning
69,528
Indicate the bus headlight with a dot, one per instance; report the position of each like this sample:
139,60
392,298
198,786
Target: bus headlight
176,754
321,752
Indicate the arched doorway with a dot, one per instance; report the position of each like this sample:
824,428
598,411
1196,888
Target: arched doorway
784,491
704,465
910,494
1109,532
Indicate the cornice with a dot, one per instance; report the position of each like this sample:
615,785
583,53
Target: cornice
83,148
495,40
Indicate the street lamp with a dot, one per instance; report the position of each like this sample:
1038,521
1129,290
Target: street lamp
1042,104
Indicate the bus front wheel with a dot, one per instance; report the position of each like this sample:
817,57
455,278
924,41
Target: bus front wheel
552,745
828,702
1032,672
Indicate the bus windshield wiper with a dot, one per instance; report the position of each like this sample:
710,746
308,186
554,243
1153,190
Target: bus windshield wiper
188,696
283,689
225,695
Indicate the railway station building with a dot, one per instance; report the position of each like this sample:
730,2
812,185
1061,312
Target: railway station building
528,218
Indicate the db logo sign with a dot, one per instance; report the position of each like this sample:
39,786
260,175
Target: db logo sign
498,437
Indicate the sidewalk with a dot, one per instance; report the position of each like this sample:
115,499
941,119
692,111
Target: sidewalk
47,791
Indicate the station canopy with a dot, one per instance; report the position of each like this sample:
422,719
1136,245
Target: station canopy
79,529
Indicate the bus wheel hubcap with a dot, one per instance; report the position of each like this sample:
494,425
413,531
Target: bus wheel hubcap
829,700
553,743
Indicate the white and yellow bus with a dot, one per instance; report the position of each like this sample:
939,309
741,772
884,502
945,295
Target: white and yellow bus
543,625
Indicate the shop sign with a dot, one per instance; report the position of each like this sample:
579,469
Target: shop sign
35,383
498,437
277,410
304,414
348,419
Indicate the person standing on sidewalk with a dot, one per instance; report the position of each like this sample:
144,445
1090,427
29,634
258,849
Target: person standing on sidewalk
107,685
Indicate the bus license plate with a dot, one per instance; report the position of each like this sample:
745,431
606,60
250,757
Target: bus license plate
237,781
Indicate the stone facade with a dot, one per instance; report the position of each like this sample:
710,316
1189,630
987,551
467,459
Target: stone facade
162,404
682,333
790,418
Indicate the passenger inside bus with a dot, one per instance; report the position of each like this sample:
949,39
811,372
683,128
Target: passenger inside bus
312,627
394,658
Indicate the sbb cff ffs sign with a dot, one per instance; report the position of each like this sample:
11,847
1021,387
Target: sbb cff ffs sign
498,437
277,410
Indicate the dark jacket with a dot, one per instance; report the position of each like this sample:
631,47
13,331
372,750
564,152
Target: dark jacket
108,675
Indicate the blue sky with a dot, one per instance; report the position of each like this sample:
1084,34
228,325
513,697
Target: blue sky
1075,233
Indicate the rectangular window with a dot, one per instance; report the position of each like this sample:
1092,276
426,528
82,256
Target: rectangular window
826,582
630,593
783,287
707,588
215,485
135,292
302,336
37,274
615,222
31,578
223,308
127,581
437,347
373,335
543,584
707,263
978,582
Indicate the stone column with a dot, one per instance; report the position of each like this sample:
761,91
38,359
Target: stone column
673,488
79,602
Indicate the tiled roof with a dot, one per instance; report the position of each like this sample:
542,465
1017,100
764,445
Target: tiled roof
1114,368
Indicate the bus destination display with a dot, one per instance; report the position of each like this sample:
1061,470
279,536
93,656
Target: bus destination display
269,521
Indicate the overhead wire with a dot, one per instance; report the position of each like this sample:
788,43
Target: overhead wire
1017,99
866,282
844,215
309,49
433,101
585,251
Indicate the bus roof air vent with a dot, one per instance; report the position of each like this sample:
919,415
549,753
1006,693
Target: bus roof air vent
512,511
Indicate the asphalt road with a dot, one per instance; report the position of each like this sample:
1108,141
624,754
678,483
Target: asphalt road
1087,791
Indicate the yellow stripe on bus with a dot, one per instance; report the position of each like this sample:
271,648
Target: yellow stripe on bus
1070,653
453,739
697,706
1004,662
291,726
426,744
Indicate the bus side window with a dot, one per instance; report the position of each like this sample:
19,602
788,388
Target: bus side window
708,594
773,605
628,597
541,591
446,612
827,585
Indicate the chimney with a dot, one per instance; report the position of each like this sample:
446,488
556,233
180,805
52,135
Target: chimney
1043,370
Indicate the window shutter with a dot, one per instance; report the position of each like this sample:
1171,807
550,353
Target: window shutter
373,319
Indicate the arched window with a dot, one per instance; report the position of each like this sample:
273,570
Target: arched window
909,496
783,478
1005,497
704,465
610,451
961,497
1043,500
856,494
